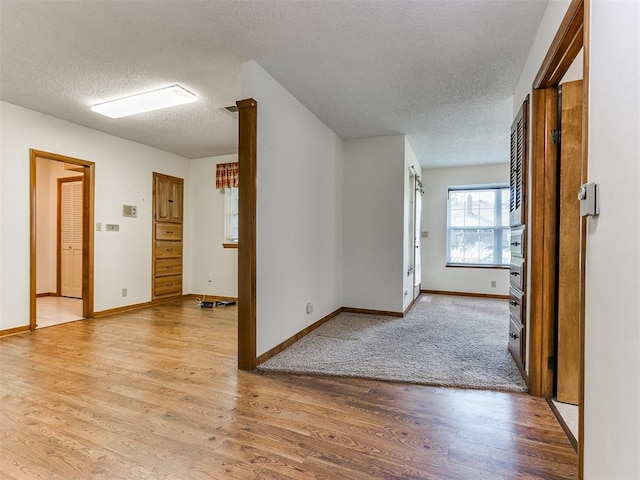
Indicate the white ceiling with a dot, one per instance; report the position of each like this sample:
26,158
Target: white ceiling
441,72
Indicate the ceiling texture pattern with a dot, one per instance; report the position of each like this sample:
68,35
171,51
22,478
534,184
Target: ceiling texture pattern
441,72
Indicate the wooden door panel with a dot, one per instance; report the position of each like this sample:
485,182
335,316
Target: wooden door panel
568,354
161,193
175,201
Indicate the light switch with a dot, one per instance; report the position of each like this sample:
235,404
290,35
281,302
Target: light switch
588,196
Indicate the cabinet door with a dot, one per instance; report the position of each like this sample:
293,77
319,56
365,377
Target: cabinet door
174,200
162,190
518,167
517,341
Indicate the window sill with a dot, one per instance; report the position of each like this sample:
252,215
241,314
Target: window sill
461,265
229,245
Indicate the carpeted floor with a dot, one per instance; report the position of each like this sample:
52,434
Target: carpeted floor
444,340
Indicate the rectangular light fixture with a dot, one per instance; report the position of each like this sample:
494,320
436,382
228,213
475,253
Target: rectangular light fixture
145,102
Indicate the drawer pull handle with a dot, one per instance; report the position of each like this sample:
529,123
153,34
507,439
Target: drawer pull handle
171,250
514,303
169,232
514,273
515,244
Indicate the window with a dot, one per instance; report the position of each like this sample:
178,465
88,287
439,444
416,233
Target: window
478,231
231,215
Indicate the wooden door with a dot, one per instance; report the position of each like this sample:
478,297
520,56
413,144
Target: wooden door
568,353
71,239
161,191
168,195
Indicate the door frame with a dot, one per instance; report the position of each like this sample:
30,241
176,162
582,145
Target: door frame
88,196
572,35
59,231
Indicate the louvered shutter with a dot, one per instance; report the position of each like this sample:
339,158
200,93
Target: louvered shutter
517,182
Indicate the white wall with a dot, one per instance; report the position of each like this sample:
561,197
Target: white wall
549,24
374,223
299,211
435,274
612,343
410,160
123,176
208,256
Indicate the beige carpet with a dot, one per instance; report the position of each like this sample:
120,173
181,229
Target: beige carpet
444,340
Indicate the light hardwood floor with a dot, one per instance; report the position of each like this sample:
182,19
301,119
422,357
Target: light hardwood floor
56,310
155,394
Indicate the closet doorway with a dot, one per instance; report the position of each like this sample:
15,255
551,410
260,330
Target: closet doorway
62,212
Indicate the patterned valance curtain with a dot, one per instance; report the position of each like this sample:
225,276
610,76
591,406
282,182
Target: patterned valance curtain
227,175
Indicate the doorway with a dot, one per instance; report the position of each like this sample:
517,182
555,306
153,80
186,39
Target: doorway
62,212
571,37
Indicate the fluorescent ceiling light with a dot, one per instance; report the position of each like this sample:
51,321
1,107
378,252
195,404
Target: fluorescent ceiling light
145,102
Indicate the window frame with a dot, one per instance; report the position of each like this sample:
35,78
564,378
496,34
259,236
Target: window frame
499,229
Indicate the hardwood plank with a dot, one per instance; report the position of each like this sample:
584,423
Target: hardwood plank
155,393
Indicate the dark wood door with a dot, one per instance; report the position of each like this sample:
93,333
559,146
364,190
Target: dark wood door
568,354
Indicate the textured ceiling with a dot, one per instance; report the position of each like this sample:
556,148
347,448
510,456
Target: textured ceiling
441,72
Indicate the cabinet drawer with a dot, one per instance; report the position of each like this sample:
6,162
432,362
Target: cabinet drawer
517,241
516,340
168,249
516,304
168,266
168,231
167,285
517,272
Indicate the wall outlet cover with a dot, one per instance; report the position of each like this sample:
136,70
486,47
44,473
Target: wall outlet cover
129,211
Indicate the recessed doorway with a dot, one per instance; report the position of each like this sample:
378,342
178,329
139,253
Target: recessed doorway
62,212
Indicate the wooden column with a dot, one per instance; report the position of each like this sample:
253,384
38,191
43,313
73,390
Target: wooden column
247,192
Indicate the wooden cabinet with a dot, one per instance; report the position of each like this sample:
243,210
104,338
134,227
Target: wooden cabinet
516,339
167,201
167,235
518,220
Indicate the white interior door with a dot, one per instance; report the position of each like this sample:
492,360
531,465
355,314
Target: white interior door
71,240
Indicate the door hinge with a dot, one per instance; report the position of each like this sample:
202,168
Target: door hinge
551,363
555,136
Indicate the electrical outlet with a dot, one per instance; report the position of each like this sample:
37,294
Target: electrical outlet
112,228
129,211
493,284
124,292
